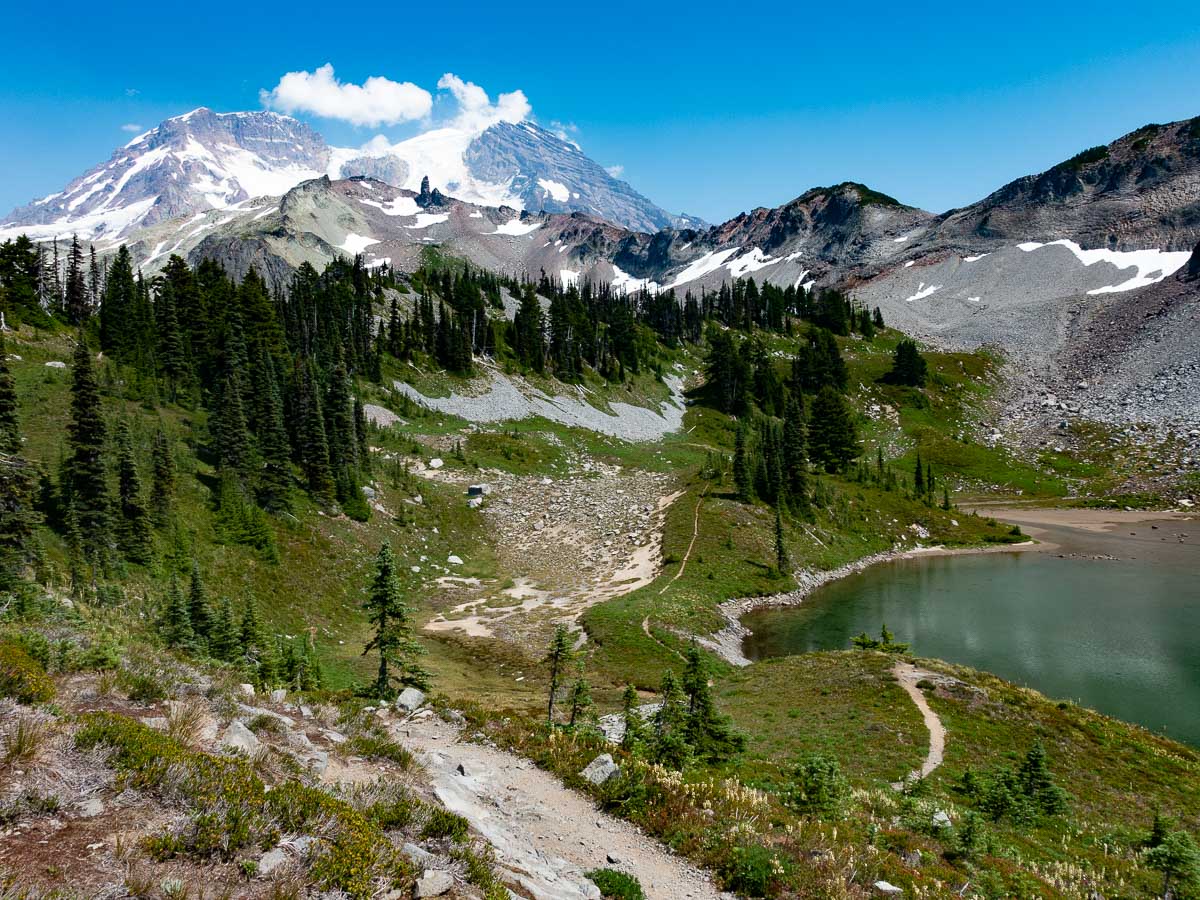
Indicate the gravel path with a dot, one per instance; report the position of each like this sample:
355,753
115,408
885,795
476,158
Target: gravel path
908,675
545,834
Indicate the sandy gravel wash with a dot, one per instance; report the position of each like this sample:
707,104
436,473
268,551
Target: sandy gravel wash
543,833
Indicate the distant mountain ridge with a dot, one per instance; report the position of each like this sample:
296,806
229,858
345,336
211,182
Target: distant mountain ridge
204,160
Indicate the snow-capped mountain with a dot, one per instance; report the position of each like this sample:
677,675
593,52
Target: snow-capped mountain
203,161
188,164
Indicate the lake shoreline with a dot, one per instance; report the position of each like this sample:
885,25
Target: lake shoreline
1040,522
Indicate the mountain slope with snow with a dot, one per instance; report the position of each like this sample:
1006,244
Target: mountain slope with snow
204,160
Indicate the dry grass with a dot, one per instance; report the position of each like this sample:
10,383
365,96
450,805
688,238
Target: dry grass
185,719
24,739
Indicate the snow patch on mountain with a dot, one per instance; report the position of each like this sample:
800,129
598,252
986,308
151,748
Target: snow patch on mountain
516,228
1152,265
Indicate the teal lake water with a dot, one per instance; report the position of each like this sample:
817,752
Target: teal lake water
1120,636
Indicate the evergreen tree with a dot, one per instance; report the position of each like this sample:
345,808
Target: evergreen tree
162,485
669,745
176,624
134,532
275,477
392,622
224,640
1178,858
18,519
75,298
832,437
782,563
314,448
710,734
10,429
198,608
581,700
250,634
558,657
743,479
85,482
635,728
908,366
795,458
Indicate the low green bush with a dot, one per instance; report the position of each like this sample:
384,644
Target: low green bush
616,885
22,677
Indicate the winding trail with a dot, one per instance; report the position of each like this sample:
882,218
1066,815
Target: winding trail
691,544
544,834
908,675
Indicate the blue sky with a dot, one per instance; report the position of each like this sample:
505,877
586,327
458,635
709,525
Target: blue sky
709,108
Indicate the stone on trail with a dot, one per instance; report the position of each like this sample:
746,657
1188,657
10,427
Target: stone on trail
238,737
434,883
410,699
601,769
435,463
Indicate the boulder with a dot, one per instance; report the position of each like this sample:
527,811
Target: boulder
247,690
941,819
278,695
454,559
601,769
418,856
886,887
238,737
434,883
436,463
56,364
410,699
270,861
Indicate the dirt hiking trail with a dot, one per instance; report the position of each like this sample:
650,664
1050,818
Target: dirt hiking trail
908,675
545,834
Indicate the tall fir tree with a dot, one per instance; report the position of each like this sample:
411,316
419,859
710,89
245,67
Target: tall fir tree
795,458
782,563
162,483
85,482
557,658
832,437
224,642
134,527
391,620
198,608
743,477
10,428
176,624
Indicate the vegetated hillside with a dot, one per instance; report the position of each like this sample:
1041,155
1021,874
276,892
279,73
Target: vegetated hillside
212,496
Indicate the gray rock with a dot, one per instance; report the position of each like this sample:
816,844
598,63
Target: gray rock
886,887
270,861
247,690
278,695
941,819
601,769
418,856
238,737
89,808
434,883
410,699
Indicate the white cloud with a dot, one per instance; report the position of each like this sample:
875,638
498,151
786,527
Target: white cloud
615,171
132,128
475,108
377,101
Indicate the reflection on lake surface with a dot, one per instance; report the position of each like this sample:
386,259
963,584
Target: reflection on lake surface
1118,636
